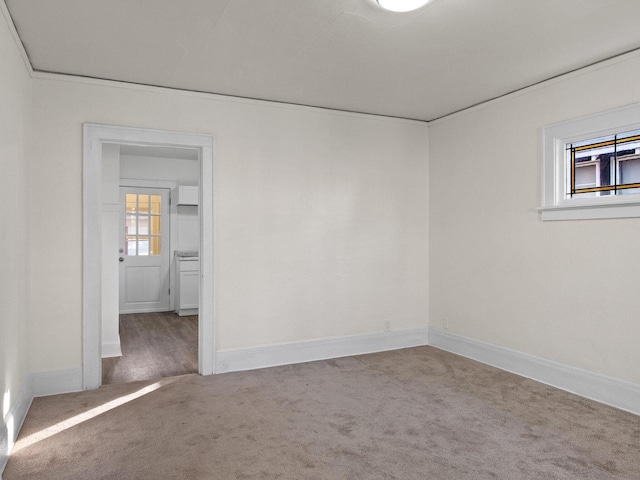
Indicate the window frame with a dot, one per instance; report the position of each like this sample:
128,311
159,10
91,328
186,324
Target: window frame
555,204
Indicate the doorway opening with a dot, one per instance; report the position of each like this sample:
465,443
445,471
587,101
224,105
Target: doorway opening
139,226
153,242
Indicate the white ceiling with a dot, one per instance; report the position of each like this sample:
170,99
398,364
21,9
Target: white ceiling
341,54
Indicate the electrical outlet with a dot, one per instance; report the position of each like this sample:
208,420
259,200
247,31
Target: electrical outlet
387,326
445,323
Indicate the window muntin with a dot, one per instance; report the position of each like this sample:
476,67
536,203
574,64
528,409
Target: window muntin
604,166
143,224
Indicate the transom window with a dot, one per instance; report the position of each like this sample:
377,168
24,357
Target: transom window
604,166
143,224
591,167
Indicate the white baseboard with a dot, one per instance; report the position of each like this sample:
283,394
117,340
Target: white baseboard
37,385
601,388
13,422
59,381
111,350
289,353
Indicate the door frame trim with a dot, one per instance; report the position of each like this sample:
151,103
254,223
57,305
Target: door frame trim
94,136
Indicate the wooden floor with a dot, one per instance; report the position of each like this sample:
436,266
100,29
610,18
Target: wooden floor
154,345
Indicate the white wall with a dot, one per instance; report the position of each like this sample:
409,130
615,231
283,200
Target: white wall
15,111
188,228
180,170
563,291
320,217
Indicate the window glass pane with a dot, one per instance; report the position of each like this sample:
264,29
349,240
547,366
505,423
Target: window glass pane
130,201
143,225
130,246
628,163
630,170
143,203
629,173
595,161
130,225
156,204
155,225
603,172
586,175
590,142
626,137
155,246
629,191
143,245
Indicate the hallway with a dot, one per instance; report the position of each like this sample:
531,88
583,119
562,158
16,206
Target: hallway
154,345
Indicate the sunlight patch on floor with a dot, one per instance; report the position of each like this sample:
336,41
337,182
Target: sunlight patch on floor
88,415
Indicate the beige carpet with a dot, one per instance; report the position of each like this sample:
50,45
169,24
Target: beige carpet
418,413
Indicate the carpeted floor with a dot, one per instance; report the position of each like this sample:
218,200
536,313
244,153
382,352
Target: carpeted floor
418,413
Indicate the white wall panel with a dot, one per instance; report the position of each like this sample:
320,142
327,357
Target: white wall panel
320,217
564,291
15,211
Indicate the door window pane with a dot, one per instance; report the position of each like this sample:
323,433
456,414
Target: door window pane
143,203
156,204
155,225
143,245
130,246
155,246
131,202
130,225
143,225
143,230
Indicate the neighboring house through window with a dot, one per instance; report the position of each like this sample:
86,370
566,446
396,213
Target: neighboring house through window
591,167
604,166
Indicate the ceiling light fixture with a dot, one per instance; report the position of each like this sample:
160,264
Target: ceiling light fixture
402,5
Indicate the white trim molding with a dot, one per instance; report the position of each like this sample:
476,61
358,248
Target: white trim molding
94,136
629,209
113,349
17,40
601,388
13,420
312,350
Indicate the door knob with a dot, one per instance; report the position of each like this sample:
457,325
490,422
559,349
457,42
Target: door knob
121,259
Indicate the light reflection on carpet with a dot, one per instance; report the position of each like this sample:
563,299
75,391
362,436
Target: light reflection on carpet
88,415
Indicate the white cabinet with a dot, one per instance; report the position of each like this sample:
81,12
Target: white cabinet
186,195
187,287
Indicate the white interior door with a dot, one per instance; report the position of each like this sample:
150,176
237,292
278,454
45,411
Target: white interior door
144,249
